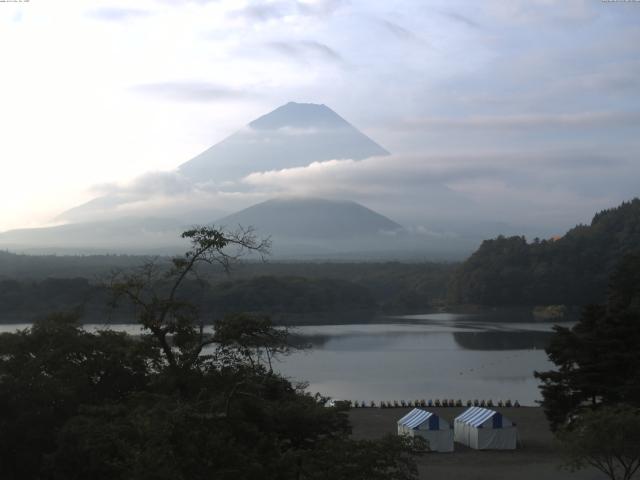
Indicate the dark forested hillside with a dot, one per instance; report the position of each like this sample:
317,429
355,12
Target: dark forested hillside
290,295
28,290
37,267
571,270
26,300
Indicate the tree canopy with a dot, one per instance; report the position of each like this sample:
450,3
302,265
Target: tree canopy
571,270
607,439
598,360
290,292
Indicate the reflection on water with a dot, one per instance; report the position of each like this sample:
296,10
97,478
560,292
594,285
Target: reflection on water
502,340
415,357
423,356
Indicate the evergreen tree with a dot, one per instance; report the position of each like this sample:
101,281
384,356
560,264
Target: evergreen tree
571,270
598,359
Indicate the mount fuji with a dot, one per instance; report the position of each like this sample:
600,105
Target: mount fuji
293,135
144,220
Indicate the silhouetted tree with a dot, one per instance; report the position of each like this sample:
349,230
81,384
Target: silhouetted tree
49,372
155,291
607,439
598,359
571,270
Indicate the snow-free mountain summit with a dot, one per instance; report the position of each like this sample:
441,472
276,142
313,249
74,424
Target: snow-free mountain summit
313,218
293,135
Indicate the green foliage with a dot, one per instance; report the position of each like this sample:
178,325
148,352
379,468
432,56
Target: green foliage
572,270
607,439
102,406
38,267
284,290
27,299
235,420
387,459
598,359
289,295
48,372
253,337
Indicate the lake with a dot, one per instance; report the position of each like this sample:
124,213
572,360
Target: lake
422,357
413,357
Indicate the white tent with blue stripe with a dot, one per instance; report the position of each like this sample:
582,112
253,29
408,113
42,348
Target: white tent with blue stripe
436,431
485,429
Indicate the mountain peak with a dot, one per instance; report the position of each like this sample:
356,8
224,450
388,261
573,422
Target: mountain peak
300,115
305,217
292,135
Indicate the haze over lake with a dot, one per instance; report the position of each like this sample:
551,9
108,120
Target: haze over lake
413,357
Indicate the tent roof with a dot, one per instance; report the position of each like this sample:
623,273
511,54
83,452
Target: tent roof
415,418
475,416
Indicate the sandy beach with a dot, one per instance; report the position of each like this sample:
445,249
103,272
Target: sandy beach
536,458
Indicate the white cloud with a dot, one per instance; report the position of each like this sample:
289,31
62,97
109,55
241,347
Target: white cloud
87,101
606,119
117,14
434,195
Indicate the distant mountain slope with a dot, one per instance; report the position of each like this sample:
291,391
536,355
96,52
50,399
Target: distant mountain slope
573,269
293,135
300,228
315,218
130,235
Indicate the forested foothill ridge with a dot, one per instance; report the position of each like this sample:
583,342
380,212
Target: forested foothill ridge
572,270
295,292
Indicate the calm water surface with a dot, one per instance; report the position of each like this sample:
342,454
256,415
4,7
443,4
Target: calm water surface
414,357
423,356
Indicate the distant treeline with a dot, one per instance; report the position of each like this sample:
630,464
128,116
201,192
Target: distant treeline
36,267
289,295
324,288
572,270
26,300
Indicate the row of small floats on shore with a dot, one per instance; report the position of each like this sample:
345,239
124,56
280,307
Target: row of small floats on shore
432,403
477,427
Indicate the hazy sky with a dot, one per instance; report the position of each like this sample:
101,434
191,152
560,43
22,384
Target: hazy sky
530,109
